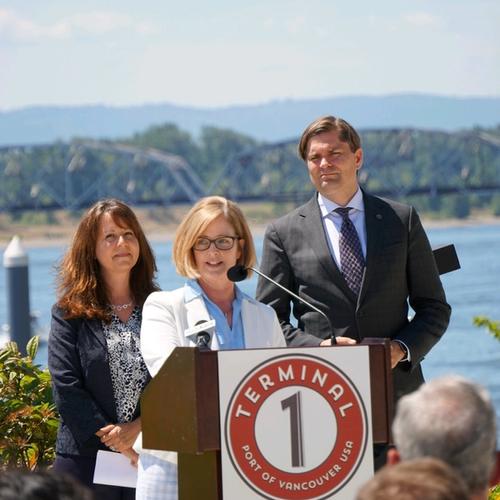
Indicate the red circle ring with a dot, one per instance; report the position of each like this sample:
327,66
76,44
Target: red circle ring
240,431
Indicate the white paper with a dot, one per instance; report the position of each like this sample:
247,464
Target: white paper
114,469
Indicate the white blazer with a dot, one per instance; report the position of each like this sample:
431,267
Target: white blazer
167,318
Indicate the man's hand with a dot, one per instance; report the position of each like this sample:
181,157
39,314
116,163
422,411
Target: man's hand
397,353
340,341
120,437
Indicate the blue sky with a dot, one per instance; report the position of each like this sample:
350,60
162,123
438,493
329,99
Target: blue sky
217,53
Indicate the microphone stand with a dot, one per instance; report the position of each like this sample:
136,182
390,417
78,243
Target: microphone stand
239,273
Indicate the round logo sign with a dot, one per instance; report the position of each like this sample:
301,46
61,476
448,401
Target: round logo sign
296,428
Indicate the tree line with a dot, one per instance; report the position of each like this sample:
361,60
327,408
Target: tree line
446,174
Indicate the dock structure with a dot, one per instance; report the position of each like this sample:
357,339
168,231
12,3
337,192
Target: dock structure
15,261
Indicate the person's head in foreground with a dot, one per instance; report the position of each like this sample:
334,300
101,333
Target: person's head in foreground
453,419
21,484
419,479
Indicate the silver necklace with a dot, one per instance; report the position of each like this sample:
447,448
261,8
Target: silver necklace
120,307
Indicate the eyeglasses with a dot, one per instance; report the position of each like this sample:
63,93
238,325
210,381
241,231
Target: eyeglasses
221,243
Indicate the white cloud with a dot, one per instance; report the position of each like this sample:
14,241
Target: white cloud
96,23
296,24
421,19
99,22
268,22
146,28
14,27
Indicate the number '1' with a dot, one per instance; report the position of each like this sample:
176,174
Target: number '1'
293,404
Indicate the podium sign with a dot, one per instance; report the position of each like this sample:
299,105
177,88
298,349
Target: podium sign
295,423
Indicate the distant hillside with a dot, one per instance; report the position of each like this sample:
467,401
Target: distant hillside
273,121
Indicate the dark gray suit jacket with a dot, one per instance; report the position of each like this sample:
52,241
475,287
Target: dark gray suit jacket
400,268
81,379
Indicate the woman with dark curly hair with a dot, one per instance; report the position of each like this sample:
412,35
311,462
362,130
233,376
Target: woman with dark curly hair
94,358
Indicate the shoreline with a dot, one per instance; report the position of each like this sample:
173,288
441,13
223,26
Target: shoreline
56,236
56,228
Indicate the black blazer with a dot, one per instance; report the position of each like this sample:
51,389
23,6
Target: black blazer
81,380
400,268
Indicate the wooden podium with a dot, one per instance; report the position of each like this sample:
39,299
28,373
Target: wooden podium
180,412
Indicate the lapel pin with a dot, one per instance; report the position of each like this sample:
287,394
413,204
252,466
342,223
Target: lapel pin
378,216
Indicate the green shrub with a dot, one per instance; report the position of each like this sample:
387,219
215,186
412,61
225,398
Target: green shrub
492,326
494,493
494,329
28,416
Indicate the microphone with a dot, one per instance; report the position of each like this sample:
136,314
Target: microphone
240,272
203,337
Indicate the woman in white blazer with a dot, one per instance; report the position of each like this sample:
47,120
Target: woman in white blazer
213,237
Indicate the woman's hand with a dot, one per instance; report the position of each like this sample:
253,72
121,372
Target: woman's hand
120,437
132,456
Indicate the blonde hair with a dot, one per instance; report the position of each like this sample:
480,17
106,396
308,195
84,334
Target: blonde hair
203,213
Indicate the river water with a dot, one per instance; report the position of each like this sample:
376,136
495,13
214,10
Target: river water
473,290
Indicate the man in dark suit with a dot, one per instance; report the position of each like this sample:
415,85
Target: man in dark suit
305,252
